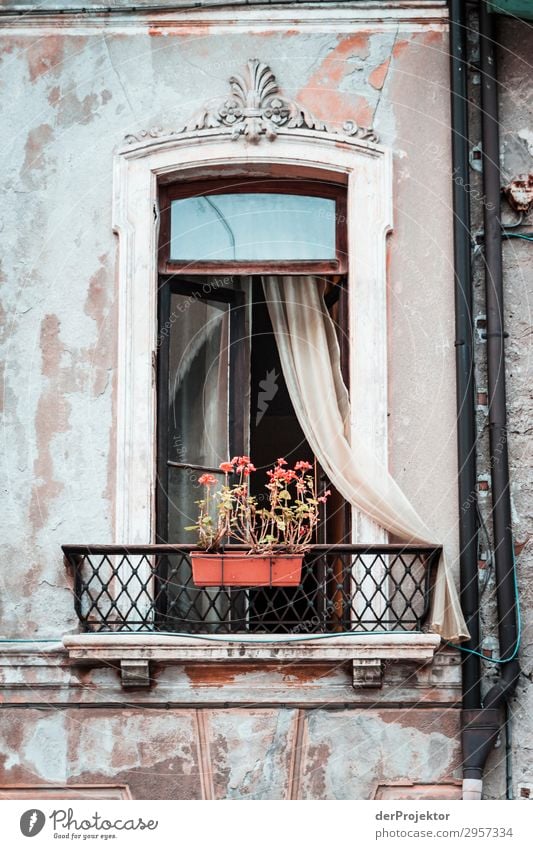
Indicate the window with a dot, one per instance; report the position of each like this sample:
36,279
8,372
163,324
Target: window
221,389
252,226
358,172
284,226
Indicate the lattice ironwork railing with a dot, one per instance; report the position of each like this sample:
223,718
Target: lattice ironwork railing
343,588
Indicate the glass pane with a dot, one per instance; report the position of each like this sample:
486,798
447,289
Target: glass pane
198,381
252,227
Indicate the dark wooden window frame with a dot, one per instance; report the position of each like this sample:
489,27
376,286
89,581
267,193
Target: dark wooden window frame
249,185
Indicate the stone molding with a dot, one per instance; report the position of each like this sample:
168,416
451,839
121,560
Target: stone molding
47,674
64,791
66,15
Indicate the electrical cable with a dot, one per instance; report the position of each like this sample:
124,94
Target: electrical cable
521,216
517,236
220,638
519,630
21,640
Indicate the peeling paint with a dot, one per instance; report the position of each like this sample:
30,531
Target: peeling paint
52,417
44,56
379,75
36,143
326,79
400,47
97,307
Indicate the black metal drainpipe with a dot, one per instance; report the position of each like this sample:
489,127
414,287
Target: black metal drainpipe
464,331
501,496
480,723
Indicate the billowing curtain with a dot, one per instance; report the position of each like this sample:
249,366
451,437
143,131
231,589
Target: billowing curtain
310,358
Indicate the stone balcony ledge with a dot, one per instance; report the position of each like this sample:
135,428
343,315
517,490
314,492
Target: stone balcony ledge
135,651
153,646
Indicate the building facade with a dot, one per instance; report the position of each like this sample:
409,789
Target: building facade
127,129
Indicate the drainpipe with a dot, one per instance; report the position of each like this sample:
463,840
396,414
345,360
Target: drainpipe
481,726
464,364
501,496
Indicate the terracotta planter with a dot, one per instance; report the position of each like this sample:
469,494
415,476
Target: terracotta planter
246,570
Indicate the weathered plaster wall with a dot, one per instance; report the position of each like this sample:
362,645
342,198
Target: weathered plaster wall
297,730
257,753
421,376
79,89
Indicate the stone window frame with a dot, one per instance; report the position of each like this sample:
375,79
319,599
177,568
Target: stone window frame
140,167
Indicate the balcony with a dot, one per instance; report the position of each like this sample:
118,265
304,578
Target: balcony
137,604
368,588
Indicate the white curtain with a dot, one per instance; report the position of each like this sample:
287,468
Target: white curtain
310,358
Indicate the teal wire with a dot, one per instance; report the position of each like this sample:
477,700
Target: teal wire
219,638
518,636
518,236
20,640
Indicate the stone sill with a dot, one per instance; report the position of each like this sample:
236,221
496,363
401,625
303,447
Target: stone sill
135,651
142,646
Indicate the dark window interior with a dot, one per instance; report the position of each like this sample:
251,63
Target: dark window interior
221,393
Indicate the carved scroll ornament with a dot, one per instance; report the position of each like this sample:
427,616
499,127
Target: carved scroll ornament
256,109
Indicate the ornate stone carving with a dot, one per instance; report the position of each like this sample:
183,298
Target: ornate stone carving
256,108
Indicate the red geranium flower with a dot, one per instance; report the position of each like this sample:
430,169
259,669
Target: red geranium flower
207,479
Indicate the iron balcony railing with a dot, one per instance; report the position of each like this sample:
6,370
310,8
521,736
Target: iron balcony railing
343,588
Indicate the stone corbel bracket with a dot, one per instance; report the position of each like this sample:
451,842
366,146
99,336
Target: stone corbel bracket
255,109
135,651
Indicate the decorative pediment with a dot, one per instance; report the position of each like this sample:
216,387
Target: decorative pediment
254,109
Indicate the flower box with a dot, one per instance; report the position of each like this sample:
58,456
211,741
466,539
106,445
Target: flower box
246,570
